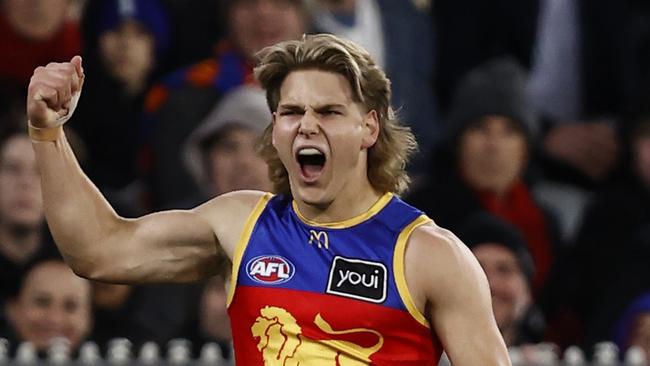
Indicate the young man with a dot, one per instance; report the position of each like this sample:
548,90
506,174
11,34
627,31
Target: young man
334,269
51,302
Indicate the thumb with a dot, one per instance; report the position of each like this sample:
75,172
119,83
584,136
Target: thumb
77,62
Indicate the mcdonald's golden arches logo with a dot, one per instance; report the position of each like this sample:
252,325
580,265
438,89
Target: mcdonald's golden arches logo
320,238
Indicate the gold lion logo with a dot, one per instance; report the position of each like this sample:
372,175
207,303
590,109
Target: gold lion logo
282,343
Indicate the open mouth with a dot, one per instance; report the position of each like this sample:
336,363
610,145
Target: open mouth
312,161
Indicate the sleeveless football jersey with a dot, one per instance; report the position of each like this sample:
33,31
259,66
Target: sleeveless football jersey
304,293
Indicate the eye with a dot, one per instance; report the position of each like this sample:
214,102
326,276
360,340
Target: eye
71,306
41,301
330,112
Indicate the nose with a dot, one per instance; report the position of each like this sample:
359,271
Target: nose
309,124
55,320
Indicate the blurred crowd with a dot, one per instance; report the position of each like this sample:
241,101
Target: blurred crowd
532,117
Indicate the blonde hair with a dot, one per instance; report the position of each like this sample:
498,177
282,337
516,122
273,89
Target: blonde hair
387,158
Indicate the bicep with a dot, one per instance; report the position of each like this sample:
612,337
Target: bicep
178,245
169,246
458,301
464,321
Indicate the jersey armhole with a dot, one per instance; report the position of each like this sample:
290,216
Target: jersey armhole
399,271
243,243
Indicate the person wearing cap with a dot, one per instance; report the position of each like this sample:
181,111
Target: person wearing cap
501,250
220,154
482,165
178,103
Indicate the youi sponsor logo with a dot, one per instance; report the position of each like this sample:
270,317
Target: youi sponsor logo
358,279
270,269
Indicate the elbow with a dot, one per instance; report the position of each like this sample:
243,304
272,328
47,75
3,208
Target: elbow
87,268
92,266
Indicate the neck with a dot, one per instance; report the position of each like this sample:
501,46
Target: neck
349,203
18,243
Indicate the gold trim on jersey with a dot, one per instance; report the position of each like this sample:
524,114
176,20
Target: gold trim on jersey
372,211
399,273
243,243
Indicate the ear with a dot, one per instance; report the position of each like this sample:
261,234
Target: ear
371,129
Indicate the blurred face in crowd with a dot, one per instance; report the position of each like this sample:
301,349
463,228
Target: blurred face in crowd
492,154
128,52
640,335
214,316
255,24
233,163
642,156
53,302
36,19
21,204
510,292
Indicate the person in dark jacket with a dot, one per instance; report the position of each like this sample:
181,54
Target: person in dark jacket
483,163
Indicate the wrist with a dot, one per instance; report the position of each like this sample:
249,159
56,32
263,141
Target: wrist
44,134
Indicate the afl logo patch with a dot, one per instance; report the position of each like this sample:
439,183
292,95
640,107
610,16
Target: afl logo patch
270,269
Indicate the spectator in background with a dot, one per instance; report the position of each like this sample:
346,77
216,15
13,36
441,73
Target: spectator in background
633,328
212,323
51,302
502,252
141,314
195,30
482,165
357,20
397,34
125,44
33,33
112,312
182,100
220,154
23,235
586,58
608,267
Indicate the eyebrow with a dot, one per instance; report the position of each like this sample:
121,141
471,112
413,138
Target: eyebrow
291,106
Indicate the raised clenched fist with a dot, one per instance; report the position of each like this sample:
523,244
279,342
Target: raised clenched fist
53,93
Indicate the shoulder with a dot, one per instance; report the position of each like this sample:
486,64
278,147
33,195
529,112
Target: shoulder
434,242
233,203
228,214
437,263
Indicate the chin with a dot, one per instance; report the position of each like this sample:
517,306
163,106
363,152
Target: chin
311,195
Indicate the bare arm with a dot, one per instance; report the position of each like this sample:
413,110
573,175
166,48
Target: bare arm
94,240
450,287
